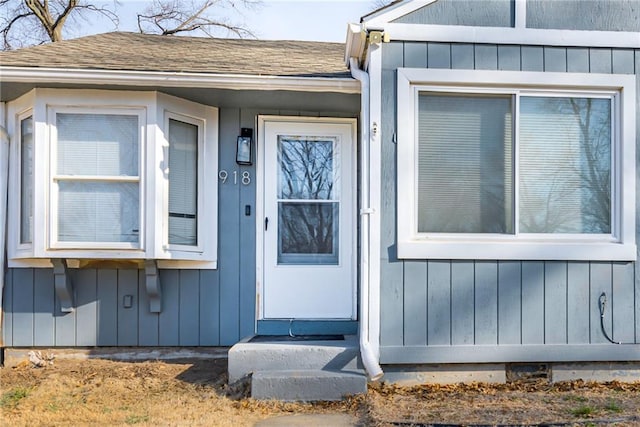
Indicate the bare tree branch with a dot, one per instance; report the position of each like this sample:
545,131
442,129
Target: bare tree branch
170,17
27,22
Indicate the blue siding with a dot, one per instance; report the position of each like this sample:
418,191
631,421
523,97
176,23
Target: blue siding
485,311
485,13
199,307
618,15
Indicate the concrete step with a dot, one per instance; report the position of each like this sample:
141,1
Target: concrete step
306,385
247,357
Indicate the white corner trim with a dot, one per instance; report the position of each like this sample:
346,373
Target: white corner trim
521,13
396,11
507,35
177,79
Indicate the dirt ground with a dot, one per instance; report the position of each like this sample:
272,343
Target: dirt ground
195,393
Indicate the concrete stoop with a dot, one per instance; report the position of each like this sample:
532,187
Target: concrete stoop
304,370
306,385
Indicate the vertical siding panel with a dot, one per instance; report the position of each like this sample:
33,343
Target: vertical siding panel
462,56
532,58
555,302
462,299
189,307
600,60
127,317
148,334
169,318
415,54
439,55
578,303
637,263
23,307
578,60
86,307
600,282
391,270
439,294
44,307
486,57
532,302
623,61
209,308
486,302
415,303
229,230
555,59
509,302
7,309
622,302
509,58
248,239
107,307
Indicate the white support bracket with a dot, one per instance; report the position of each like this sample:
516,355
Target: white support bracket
154,290
63,284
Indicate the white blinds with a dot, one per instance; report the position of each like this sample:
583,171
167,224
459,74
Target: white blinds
565,165
26,180
183,183
465,177
97,177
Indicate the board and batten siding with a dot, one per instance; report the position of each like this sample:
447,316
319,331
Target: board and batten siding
438,311
199,307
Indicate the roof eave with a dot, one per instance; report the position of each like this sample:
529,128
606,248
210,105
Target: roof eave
178,79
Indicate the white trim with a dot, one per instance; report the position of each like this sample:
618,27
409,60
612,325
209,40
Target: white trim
619,245
375,188
508,35
396,11
521,13
178,79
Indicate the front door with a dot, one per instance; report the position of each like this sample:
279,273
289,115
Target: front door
307,222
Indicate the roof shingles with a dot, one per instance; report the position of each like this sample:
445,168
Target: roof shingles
144,52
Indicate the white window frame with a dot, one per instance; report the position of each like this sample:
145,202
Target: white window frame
153,110
55,178
619,245
169,115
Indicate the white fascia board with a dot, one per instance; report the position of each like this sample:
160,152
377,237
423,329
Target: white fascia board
506,35
174,79
356,42
394,12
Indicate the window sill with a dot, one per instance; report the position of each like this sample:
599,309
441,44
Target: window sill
112,263
521,250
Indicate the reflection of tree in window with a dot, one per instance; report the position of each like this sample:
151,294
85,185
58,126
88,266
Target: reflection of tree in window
565,165
306,178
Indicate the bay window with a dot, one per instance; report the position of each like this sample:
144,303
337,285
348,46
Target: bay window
113,175
508,165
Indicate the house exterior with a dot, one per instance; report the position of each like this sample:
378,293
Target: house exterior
457,185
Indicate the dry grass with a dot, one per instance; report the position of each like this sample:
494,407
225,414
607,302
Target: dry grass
195,393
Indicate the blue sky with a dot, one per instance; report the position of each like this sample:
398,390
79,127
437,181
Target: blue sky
320,20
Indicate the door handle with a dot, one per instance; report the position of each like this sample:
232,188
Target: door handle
266,223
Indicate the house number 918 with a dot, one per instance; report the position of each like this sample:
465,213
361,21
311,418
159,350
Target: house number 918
245,178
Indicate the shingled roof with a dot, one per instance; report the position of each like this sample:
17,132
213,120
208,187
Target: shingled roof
144,52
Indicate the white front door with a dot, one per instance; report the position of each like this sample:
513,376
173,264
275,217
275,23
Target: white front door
307,225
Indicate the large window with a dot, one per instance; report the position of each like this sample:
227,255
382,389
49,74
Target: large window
113,175
515,166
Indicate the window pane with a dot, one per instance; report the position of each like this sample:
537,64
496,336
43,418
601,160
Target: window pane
183,183
98,212
465,172
26,180
308,233
306,169
97,144
565,165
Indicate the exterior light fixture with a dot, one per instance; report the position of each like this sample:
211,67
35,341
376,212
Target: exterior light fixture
243,150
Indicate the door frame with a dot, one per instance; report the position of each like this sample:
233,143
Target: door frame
260,199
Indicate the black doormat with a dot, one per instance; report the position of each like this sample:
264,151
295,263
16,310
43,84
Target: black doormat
276,338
